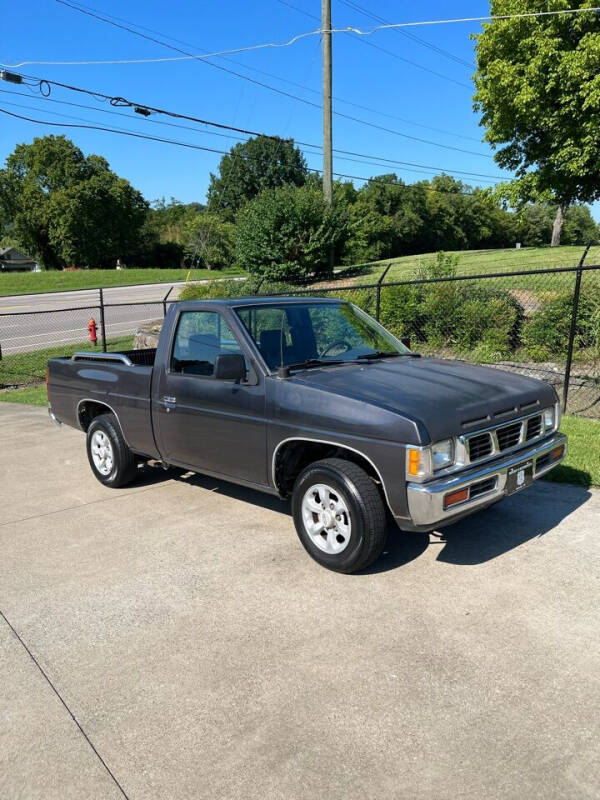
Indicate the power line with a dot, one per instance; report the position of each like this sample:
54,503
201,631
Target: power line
132,30
375,160
389,52
117,101
300,85
121,131
205,56
356,7
318,32
121,101
191,146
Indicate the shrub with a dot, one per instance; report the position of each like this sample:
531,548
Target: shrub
230,288
285,234
400,310
548,329
453,314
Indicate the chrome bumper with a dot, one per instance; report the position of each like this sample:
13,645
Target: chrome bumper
426,500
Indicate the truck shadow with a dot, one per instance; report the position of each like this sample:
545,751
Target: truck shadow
474,540
490,533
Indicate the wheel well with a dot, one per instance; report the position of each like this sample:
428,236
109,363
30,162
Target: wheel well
293,457
88,410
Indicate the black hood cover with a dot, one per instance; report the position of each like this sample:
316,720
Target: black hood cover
448,397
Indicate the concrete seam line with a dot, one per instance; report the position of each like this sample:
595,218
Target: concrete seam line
79,505
73,717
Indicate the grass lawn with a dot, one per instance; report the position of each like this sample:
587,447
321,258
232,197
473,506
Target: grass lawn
30,395
582,464
472,262
30,367
36,282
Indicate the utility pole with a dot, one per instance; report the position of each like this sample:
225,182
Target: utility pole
327,138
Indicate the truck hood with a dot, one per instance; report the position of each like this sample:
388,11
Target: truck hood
447,397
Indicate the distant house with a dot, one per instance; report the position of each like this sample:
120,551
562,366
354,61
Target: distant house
13,260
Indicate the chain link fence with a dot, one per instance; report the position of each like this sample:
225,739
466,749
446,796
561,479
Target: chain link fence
542,322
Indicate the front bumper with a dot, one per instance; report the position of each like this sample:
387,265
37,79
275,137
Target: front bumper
426,500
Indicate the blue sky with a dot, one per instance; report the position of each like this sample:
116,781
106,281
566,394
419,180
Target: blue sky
406,96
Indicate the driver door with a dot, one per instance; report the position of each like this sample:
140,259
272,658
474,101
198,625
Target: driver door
206,424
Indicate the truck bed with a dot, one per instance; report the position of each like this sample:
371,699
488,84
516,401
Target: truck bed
121,382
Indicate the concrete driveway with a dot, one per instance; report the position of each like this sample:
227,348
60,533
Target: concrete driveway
173,640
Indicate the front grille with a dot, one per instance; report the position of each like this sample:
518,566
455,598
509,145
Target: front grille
534,427
509,435
480,446
503,437
481,487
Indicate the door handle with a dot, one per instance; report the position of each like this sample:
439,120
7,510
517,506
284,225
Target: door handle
169,402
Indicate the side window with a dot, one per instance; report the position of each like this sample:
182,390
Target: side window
200,337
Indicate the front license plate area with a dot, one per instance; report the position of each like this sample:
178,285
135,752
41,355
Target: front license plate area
519,477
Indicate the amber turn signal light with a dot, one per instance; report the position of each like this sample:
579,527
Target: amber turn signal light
557,452
414,462
459,496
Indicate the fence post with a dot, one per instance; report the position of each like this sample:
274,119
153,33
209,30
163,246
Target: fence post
573,329
379,282
164,302
103,329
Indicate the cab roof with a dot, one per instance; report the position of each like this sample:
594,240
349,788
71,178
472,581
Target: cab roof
264,300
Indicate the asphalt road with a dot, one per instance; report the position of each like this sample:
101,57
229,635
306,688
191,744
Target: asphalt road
21,330
173,639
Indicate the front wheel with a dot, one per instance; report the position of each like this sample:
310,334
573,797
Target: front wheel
339,515
111,460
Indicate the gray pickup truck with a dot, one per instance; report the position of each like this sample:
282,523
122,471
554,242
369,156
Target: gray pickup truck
313,399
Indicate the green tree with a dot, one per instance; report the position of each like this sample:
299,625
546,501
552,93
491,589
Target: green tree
538,89
386,220
259,163
580,227
208,241
166,222
285,234
534,221
96,220
68,208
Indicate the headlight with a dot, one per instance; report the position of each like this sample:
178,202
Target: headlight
422,462
549,419
442,454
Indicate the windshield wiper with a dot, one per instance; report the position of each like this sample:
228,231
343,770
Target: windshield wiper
384,354
284,369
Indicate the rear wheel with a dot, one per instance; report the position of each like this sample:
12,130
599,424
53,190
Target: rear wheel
339,515
111,460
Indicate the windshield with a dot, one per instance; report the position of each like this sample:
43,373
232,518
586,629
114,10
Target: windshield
296,333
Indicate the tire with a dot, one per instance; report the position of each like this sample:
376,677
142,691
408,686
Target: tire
352,535
104,437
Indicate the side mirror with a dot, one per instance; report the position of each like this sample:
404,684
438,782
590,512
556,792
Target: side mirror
230,367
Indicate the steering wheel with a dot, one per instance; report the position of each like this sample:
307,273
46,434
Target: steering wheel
338,343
